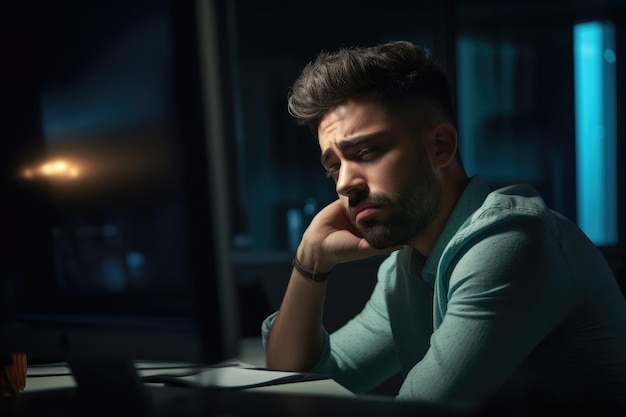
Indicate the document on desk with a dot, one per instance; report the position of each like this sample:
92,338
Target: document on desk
236,375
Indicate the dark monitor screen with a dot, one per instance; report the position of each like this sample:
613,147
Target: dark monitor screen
115,225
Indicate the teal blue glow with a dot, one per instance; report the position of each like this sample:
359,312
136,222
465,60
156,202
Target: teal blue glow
596,142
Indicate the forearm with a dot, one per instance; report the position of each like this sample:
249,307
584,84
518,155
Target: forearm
295,340
296,337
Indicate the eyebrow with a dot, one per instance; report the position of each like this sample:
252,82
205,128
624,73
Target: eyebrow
349,143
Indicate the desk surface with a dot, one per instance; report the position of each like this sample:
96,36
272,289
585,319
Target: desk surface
53,391
251,352
57,396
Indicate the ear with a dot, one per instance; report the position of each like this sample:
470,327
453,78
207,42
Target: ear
443,144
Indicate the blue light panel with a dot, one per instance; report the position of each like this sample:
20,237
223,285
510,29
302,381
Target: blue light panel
596,160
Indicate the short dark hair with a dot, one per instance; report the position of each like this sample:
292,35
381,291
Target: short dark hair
389,72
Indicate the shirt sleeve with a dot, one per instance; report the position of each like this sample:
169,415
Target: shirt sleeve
499,300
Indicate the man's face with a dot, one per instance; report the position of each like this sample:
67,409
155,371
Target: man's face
382,172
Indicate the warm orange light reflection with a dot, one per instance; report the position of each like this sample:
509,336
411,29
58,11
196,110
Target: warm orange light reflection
55,169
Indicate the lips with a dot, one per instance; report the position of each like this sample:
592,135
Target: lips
364,210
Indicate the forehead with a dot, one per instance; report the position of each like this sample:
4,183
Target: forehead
354,118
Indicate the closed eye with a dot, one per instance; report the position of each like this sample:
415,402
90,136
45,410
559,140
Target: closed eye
367,153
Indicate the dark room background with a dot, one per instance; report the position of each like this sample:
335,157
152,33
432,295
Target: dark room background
538,86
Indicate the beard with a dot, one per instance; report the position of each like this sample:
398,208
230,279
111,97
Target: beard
410,214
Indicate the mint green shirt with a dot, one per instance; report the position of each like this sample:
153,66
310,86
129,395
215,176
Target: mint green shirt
511,291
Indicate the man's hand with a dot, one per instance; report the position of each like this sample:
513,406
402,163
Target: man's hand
331,238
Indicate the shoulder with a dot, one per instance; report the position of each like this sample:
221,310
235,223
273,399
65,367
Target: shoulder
517,206
512,234
510,221
513,200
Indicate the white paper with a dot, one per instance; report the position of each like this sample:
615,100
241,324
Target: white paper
235,377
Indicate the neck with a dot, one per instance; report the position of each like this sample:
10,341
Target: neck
453,186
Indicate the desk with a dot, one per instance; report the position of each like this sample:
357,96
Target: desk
251,352
56,396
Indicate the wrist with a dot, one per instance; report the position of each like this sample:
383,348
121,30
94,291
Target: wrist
309,273
310,258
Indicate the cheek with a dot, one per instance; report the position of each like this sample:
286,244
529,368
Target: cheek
392,174
407,160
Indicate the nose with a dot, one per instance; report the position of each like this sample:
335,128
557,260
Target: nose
350,180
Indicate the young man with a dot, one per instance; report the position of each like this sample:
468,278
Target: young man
482,290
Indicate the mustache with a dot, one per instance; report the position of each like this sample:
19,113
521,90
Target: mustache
367,198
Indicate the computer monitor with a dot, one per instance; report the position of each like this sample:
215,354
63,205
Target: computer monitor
115,235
